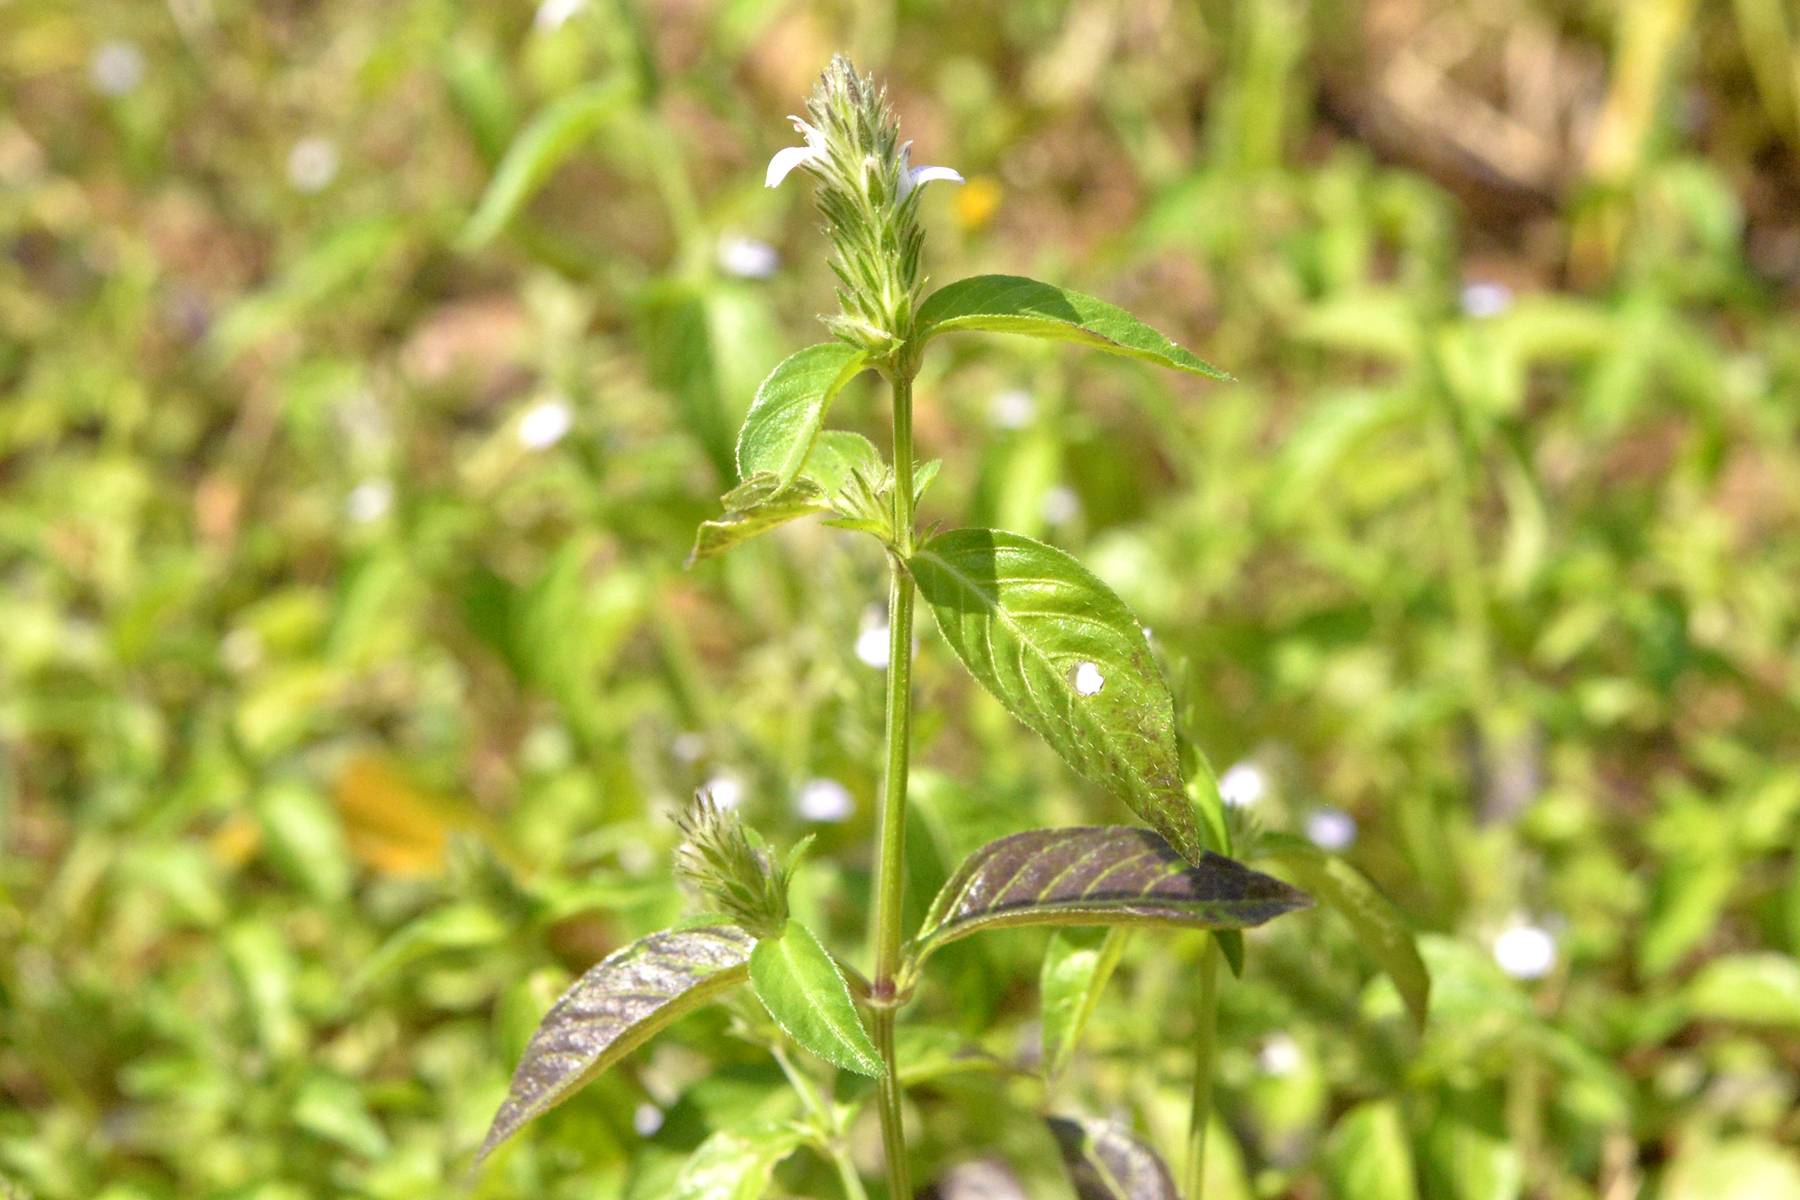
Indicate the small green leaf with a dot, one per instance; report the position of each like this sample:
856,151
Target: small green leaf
534,155
1377,924
800,985
736,1164
755,507
837,456
1753,989
615,1007
1108,1162
1014,304
1077,965
1066,657
1098,875
789,409
1368,1156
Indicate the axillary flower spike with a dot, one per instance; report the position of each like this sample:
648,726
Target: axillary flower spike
867,192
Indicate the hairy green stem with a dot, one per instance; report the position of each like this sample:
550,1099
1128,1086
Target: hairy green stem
891,868
1205,1056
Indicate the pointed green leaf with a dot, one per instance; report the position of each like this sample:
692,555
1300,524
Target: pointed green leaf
1014,304
1378,925
1753,989
1098,875
806,994
755,507
543,146
1077,965
1066,657
1369,1157
789,409
615,1007
836,456
1108,1162
736,1164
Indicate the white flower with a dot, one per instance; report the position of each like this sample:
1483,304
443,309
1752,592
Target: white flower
747,258
369,501
1280,1055
912,177
1331,829
1525,951
1013,408
872,642
544,424
726,790
793,156
825,800
554,14
1061,505
688,746
1483,300
117,67
1243,785
312,164
647,1119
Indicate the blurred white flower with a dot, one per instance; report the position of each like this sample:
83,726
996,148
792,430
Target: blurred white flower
117,67
1483,300
1525,951
313,163
647,1119
1279,1055
1242,785
241,650
747,258
544,424
1061,505
825,800
688,746
554,14
369,501
1088,679
1331,829
1013,408
726,790
872,641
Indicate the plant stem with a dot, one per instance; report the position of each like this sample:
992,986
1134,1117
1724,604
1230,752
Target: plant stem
828,1123
1205,1055
891,868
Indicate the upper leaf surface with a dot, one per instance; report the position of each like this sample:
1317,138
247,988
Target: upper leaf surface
789,409
1377,924
736,1164
1066,657
612,1009
754,507
801,987
1098,875
1108,1162
1015,304
1077,965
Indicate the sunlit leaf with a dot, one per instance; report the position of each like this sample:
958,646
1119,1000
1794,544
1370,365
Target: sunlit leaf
1066,657
789,409
1107,1162
736,1164
1077,964
1368,1156
1014,304
1098,875
753,508
1378,925
614,1008
543,146
1752,989
800,985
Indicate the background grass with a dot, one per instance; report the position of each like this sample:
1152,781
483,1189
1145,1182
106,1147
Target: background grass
342,705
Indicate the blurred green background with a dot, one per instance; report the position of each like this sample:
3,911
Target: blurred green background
364,370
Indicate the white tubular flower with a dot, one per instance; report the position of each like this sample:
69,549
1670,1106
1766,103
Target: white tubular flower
912,177
786,160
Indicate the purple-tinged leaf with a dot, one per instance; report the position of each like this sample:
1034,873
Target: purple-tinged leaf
614,1008
1099,875
1107,1162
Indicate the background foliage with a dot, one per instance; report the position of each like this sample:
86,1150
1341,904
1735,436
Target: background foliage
366,368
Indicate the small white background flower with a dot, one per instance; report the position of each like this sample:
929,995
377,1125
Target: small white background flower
1243,785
